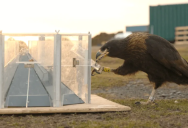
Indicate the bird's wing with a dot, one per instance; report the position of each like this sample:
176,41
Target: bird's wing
165,53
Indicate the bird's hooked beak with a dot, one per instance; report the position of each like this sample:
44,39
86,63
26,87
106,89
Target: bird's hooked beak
101,54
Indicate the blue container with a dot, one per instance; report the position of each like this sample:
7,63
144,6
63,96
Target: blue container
137,28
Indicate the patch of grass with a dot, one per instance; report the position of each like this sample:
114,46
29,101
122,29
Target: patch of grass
165,113
161,108
117,123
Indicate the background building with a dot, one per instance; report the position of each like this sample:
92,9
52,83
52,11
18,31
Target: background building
165,18
143,28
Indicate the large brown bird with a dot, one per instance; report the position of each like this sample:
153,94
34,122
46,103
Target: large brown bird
148,53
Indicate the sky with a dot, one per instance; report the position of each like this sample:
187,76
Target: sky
75,16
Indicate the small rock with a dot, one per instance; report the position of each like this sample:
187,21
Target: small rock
176,101
128,85
173,91
171,97
163,95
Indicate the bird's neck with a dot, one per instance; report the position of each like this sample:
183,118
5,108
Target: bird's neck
123,44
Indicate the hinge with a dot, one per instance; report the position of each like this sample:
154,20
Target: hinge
75,62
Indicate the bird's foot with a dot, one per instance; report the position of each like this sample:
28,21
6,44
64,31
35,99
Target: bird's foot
141,103
107,69
144,103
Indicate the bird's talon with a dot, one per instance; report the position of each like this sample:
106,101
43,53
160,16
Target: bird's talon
137,103
144,103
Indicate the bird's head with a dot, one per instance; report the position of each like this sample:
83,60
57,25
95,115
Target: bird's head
111,48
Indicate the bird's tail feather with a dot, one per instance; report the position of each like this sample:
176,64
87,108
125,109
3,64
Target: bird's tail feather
182,80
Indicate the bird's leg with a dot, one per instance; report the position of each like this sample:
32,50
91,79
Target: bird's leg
125,69
150,99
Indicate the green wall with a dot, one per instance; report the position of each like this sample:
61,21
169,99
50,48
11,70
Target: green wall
164,19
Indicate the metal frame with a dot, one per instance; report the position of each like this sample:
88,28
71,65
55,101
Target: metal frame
85,72
1,70
89,67
57,71
57,65
28,88
44,34
40,52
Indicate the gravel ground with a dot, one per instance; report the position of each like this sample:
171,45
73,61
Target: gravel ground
142,88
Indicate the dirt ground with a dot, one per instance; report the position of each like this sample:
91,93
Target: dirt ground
141,88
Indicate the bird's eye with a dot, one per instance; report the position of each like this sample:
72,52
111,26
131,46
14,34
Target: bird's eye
108,48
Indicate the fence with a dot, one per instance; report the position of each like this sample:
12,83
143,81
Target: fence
181,35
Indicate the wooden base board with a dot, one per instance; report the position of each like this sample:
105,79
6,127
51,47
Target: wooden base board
98,104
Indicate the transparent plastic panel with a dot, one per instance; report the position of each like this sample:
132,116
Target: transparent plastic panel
11,56
75,48
28,85
46,53
82,67
10,51
79,51
43,53
33,49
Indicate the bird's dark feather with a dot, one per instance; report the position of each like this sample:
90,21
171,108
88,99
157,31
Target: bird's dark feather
150,54
165,53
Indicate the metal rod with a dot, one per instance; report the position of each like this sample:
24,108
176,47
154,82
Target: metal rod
89,67
44,34
28,87
72,65
41,48
27,62
79,81
1,70
86,76
57,71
